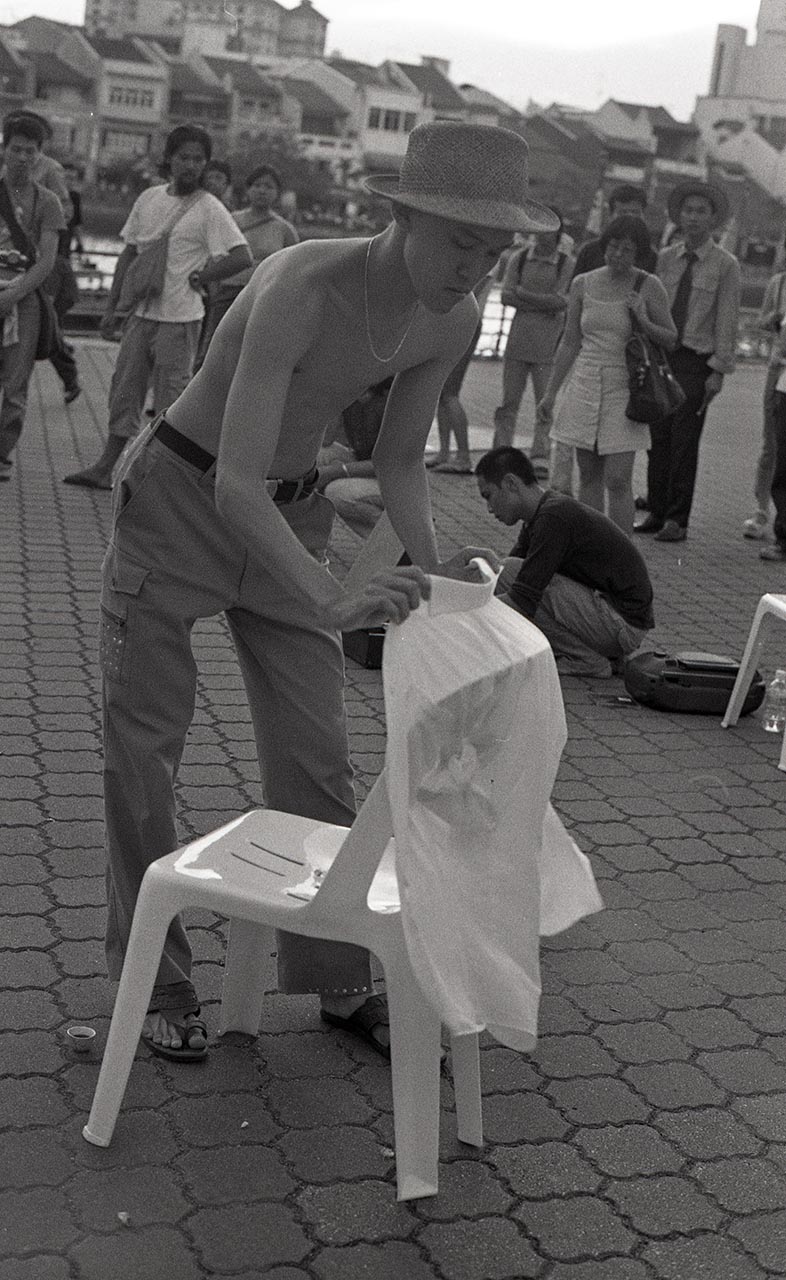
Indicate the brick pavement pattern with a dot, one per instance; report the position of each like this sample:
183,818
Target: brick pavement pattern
645,1139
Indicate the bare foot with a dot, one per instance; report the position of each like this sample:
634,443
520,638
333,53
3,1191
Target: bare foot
175,1035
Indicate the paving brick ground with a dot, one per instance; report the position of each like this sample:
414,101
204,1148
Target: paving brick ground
645,1139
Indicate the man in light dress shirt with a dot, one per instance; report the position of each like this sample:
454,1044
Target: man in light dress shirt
707,332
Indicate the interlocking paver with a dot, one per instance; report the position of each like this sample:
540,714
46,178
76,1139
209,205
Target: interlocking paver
654,1101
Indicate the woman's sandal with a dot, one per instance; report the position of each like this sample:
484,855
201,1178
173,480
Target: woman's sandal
192,1032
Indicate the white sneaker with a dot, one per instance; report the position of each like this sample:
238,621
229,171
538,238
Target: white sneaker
755,527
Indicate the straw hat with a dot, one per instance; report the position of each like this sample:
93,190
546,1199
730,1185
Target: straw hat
473,173
716,196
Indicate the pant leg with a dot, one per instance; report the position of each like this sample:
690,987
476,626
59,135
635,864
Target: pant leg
17,362
687,424
131,377
171,560
580,624
779,473
64,364
514,382
293,669
174,352
765,466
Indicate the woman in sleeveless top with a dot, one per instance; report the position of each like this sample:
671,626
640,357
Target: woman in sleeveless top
591,415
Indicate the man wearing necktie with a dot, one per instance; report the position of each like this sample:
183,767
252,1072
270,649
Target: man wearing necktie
702,281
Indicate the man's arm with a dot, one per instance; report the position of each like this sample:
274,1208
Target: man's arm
216,269
567,351
727,314
548,543
35,276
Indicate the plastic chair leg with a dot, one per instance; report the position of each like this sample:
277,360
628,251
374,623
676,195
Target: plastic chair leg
415,1052
465,1056
249,972
148,934
747,667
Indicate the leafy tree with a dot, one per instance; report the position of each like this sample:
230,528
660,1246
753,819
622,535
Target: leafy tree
279,146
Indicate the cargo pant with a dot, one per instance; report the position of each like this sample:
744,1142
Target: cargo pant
172,560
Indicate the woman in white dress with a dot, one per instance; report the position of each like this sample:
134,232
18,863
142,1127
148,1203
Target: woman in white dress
591,415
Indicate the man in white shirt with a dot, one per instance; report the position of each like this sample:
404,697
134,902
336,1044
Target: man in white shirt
160,337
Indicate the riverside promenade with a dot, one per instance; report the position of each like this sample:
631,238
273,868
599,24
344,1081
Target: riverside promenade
644,1139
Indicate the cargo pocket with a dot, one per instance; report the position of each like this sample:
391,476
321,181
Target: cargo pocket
123,584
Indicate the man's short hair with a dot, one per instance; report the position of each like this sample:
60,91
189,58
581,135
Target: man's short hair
23,126
219,166
504,461
627,194
182,135
627,227
265,171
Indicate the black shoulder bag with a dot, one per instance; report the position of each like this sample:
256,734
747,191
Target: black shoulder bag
50,338
655,393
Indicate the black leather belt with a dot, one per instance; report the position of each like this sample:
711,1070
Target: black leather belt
280,490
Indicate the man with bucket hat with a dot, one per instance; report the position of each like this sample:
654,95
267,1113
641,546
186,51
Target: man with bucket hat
702,281
217,511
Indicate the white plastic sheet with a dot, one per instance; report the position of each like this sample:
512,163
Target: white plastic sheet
476,727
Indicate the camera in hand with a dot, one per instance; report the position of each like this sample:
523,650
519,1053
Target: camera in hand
12,264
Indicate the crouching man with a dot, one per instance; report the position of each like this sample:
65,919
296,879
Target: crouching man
572,572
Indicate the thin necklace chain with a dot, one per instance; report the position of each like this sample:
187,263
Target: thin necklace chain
404,336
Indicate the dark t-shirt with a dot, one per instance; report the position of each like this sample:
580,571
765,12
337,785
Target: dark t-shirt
566,537
591,256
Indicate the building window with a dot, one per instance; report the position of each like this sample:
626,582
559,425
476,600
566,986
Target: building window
409,121
374,117
392,122
127,96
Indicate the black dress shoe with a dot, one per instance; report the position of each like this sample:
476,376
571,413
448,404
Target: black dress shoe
650,524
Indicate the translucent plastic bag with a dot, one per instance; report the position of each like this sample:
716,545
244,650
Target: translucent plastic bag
476,728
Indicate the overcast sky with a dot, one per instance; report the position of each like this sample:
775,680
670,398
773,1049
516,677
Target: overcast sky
568,51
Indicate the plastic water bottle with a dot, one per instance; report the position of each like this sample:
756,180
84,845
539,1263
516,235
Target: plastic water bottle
773,714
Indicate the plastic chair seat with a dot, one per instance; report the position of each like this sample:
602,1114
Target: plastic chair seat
769,606
246,871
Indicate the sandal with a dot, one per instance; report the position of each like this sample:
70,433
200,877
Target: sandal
192,1032
363,1022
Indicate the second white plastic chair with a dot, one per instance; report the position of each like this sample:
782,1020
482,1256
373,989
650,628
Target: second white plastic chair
770,606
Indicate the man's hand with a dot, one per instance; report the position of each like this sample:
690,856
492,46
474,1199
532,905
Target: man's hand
460,566
712,387
389,596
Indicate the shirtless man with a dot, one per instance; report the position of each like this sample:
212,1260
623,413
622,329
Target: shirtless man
216,510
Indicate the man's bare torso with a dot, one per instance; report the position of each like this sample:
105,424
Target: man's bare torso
337,364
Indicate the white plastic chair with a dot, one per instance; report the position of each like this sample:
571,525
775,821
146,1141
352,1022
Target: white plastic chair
769,606
244,871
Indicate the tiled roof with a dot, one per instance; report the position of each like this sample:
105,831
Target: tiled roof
359,72
184,79
312,99
50,69
658,116
245,78
434,86
117,50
